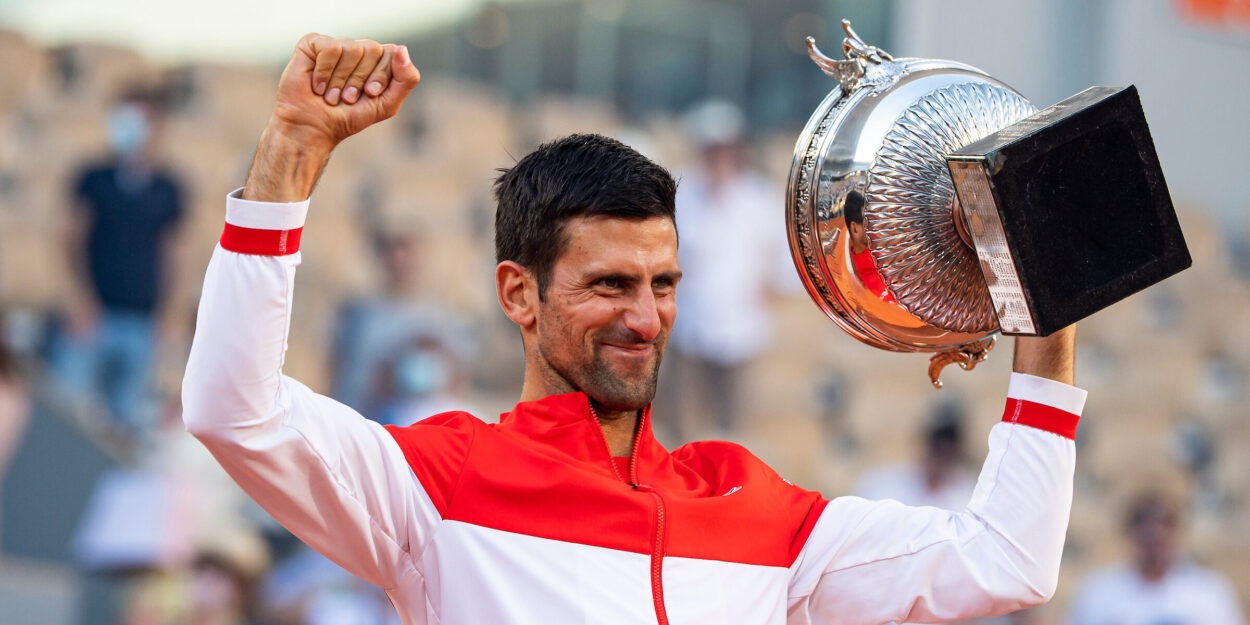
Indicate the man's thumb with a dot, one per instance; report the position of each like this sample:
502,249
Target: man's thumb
403,71
404,76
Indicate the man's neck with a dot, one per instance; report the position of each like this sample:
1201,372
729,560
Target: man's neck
1154,570
619,429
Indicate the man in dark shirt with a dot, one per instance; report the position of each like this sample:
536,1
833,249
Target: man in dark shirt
127,210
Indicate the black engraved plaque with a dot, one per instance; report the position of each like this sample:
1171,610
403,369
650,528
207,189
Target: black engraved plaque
1068,210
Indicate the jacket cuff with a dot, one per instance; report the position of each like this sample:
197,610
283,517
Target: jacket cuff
262,228
1044,404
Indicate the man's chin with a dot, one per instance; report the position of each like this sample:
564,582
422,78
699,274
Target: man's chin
622,393
616,403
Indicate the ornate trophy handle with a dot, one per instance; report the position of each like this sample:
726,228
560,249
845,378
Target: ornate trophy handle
967,358
850,70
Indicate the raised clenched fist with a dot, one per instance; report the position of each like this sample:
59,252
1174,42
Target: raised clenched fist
333,88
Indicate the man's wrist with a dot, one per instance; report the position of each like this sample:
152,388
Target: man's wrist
288,162
1050,357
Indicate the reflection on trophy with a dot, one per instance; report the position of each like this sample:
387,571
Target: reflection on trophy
931,207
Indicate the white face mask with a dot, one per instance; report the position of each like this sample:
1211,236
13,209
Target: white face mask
128,129
420,372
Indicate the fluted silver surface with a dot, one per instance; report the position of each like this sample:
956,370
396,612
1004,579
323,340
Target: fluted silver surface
918,252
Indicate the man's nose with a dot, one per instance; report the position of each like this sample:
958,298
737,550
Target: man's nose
643,315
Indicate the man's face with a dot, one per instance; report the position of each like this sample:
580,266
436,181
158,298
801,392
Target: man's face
1155,535
609,308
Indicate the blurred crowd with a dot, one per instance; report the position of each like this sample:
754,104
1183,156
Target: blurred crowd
112,179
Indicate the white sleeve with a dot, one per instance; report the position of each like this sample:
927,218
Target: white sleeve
869,562
336,480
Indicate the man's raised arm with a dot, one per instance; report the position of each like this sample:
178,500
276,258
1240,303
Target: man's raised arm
336,480
869,562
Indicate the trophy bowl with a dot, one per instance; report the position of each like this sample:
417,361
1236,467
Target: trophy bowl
931,207
874,222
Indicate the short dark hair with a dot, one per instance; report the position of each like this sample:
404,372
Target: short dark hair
1149,503
154,99
581,175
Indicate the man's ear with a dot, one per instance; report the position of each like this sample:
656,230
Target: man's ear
518,293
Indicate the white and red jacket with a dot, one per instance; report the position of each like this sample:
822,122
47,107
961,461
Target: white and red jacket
531,521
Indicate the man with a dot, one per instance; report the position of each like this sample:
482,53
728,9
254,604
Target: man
378,339
1157,587
938,479
723,204
120,235
568,510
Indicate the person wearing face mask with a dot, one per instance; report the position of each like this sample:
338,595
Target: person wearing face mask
126,211
421,378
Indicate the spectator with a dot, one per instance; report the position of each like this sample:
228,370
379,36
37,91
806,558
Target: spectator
940,479
369,330
420,378
734,255
14,407
221,591
217,588
308,589
1157,586
122,229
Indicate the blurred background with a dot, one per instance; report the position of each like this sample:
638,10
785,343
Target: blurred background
124,124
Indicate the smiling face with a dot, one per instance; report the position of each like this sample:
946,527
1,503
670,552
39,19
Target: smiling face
608,310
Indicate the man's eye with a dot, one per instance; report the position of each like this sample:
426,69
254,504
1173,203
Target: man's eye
611,283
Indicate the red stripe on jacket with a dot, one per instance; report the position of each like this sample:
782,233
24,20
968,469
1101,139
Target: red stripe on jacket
260,242
1042,417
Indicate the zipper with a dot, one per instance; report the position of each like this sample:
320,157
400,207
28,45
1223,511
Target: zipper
657,555
658,544
633,452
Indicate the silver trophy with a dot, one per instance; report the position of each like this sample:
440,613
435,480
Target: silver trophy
888,250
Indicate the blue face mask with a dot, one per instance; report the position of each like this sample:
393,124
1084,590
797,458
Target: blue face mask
420,372
128,130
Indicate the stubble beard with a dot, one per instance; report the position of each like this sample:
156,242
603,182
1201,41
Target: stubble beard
615,392
597,379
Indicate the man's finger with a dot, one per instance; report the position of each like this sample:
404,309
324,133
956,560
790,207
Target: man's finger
381,76
326,51
348,58
356,80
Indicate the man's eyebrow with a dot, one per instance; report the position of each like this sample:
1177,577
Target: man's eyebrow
672,276
595,276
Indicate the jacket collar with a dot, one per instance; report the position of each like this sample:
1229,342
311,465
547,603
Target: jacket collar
567,423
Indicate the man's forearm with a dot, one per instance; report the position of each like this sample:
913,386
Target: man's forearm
1050,357
286,166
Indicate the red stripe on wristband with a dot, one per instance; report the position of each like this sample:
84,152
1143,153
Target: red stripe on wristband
261,242
1042,417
